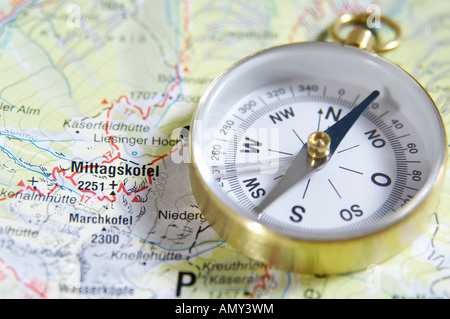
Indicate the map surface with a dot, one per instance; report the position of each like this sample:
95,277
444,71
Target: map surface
95,99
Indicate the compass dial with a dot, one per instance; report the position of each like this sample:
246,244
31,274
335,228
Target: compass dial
378,167
360,179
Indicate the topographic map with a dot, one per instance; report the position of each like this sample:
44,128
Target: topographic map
95,101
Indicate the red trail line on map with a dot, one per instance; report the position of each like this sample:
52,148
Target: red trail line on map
141,189
17,5
70,178
172,87
34,286
262,284
35,190
122,187
31,285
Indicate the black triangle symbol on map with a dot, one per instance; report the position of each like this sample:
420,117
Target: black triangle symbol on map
104,229
112,193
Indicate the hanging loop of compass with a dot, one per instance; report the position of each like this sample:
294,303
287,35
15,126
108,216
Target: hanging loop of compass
362,35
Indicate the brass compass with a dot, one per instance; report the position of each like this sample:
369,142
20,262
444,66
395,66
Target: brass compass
318,157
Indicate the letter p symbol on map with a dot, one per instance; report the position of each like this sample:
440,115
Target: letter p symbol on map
182,282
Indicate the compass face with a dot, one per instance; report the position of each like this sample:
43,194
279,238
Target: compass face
256,118
374,171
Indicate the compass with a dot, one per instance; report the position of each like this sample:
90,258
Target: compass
318,157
